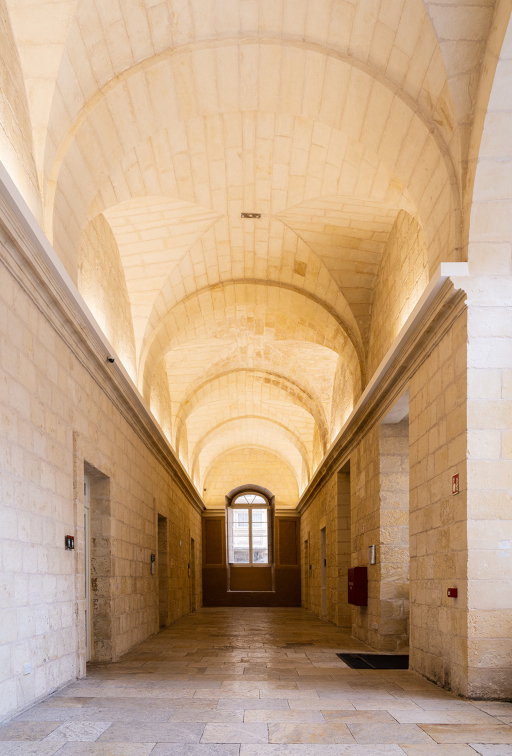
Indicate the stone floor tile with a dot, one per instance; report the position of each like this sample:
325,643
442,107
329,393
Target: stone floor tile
469,733
28,748
207,715
247,693
318,704
283,716
346,716
83,731
310,733
369,704
141,732
187,681
105,749
56,714
268,686
238,733
439,750
124,714
496,708
26,730
442,716
201,749
440,704
285,749
135,703
388,733
295,694
196,703
253,703
66,701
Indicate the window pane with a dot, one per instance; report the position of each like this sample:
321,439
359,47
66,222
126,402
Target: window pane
259,536
240,536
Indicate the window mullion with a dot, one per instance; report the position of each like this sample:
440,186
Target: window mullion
250,535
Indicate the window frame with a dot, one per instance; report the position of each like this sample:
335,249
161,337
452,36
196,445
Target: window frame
238,504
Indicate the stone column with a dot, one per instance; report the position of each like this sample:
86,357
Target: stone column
438,544
394,535
489,487
344,545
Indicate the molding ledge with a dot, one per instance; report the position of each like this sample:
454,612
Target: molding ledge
41,274
442,290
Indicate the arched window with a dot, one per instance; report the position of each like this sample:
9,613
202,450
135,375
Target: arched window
248,530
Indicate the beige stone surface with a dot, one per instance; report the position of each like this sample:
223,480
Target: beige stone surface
57,416
160,695
373,139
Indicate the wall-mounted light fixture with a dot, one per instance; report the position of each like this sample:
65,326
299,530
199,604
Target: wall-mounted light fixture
372,556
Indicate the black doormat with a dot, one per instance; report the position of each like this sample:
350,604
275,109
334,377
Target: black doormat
376,661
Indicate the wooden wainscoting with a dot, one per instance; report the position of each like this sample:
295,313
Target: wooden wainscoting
276,585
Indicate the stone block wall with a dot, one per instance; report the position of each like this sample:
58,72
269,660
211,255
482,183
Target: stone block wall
322,513
365,505
393,549
57,414
438,537
344,548
489,484
403,276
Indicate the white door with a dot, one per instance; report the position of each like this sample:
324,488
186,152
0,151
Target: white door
87,533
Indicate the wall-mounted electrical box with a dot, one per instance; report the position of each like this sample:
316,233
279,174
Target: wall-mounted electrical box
358,586
153,559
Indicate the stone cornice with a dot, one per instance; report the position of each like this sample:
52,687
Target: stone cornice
441,303
30,259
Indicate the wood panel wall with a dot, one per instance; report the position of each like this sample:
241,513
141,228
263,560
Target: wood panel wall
276,585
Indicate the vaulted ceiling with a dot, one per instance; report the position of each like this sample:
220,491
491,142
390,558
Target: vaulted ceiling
147,128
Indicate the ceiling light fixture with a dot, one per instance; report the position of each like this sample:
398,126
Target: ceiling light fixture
250,215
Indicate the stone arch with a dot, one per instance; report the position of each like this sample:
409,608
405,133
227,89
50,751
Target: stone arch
291,392
16,145
490,229
408,146
224,432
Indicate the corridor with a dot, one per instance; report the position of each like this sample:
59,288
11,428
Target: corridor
254,682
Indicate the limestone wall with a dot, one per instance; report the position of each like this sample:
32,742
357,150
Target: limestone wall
490,385
393,552
365,512
438,537
489,495
15,126
257,465
59,412
403,276
160,401
321,514
101,282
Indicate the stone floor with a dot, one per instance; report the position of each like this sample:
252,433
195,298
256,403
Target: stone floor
254,682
